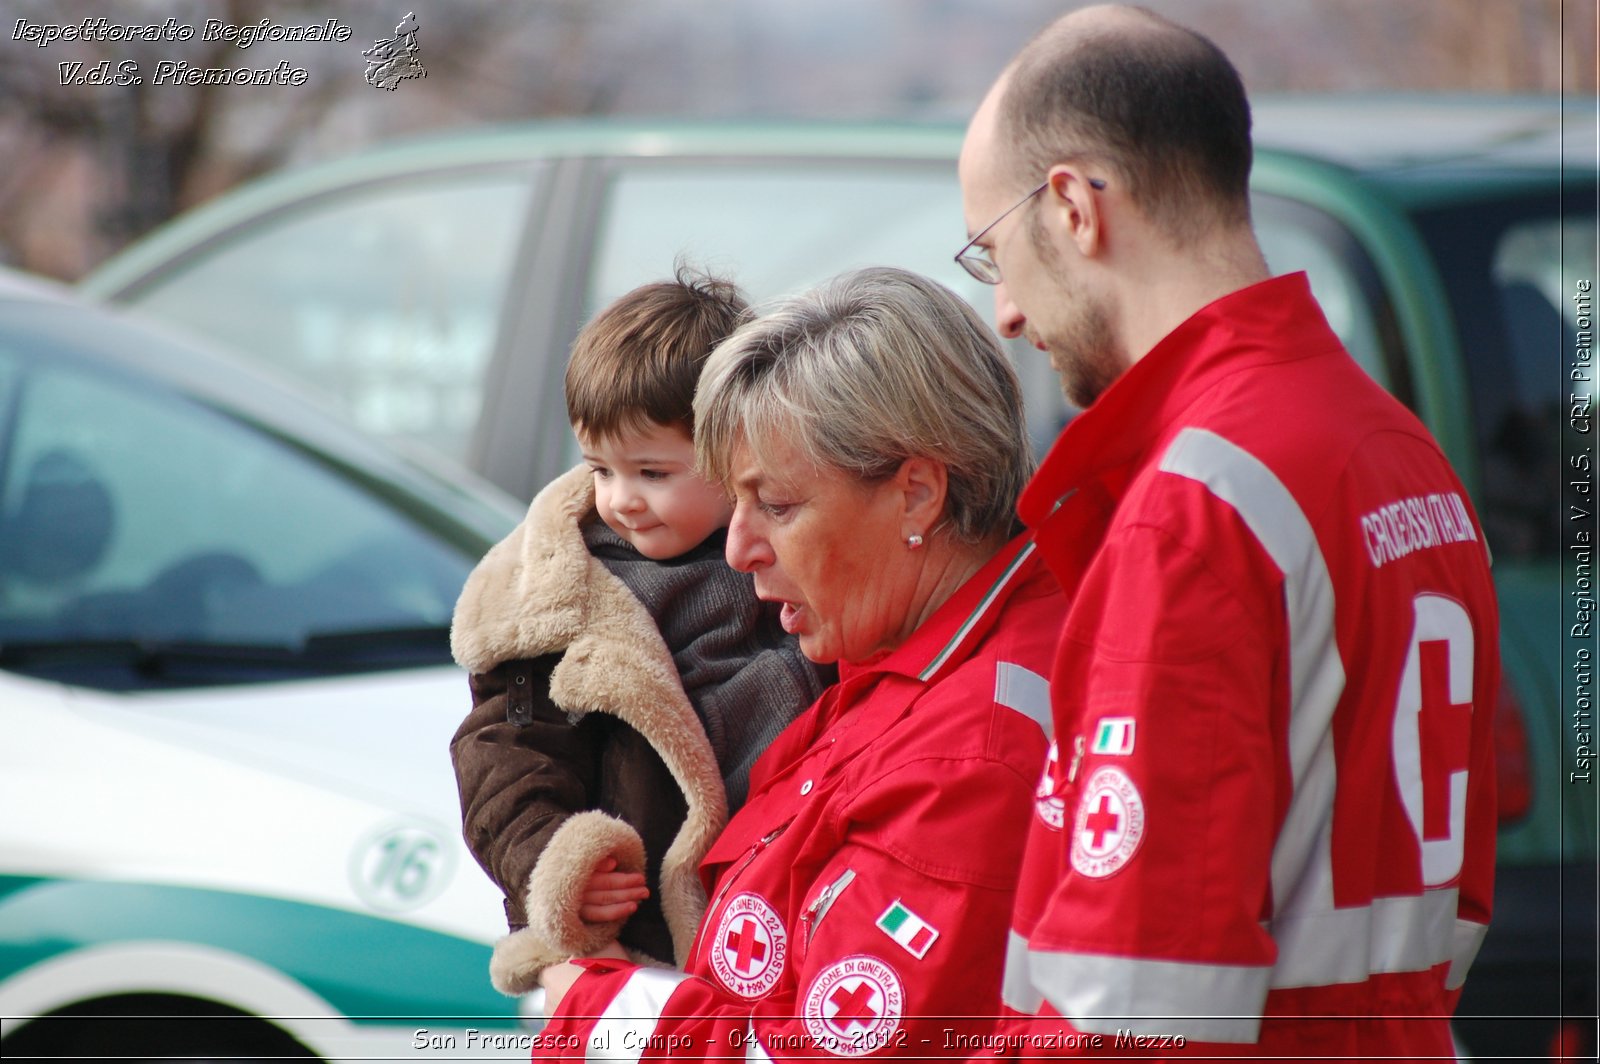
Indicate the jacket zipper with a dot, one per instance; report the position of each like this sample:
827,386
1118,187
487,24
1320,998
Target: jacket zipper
819,908
744,862
1077,756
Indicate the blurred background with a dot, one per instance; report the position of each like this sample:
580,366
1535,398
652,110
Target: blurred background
90,168
248,458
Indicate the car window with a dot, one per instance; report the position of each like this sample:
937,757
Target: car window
1540,330
130,514
1531,259
386,298
1503,262
778,228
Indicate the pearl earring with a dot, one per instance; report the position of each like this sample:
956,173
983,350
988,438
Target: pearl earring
914,540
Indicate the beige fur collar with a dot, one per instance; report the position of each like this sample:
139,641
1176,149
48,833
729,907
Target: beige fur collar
528,596
539,591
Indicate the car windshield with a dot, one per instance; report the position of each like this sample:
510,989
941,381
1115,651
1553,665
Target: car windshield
149,538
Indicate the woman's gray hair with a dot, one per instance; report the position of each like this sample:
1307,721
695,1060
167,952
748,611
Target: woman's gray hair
862,372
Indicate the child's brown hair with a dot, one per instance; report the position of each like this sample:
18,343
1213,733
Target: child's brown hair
638,360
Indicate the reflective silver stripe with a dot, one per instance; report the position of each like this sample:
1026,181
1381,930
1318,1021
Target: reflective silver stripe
755,1052
1206,1002
1316,672
1464,945
1024,691
1222,1003
1409,934
1302,865
623,1030
1017,989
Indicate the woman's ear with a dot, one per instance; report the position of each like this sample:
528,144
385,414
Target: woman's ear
924,483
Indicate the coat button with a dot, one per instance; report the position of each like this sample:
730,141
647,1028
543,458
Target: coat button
805,788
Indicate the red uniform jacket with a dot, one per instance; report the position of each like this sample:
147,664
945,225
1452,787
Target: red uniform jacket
1271,794
861,895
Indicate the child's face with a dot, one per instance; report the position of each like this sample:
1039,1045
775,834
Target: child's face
646,489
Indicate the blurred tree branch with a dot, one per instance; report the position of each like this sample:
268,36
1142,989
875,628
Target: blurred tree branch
150,151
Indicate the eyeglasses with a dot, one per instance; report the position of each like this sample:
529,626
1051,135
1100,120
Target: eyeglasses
976,261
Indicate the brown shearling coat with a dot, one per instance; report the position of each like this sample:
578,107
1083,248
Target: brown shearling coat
554,640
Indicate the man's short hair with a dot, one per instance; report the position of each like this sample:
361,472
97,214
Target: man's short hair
1158,103
637,362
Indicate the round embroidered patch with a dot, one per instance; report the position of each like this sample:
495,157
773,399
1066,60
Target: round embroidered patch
854,1007
750,947
1109,824
1046,803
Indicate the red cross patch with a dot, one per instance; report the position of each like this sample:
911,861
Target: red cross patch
854,1007
1109,824
750,946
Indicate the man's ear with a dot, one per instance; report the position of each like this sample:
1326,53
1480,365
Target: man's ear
1074,199
924,483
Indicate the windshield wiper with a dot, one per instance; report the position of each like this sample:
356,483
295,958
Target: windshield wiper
157,662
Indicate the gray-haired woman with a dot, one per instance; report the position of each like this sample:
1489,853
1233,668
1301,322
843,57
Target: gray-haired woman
870,433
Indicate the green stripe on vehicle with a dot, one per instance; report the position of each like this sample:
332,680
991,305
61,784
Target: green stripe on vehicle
371,969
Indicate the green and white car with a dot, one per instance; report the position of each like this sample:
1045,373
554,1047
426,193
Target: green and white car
230,827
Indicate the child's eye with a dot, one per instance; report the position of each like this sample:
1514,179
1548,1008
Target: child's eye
601,472
654,474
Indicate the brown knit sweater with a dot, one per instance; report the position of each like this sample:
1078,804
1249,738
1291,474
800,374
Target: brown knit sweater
745,676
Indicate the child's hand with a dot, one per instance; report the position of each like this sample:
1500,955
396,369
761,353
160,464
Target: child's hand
611,895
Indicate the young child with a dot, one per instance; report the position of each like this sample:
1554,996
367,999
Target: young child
624,678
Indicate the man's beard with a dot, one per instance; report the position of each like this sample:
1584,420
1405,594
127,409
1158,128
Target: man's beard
1085,351
1086,354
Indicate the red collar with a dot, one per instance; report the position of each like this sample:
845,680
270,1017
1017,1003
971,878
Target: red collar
1232,333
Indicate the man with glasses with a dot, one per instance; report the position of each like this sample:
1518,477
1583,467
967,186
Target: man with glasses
1267,826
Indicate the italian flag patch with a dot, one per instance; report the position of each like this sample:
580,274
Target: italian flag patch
913,933
1114,735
